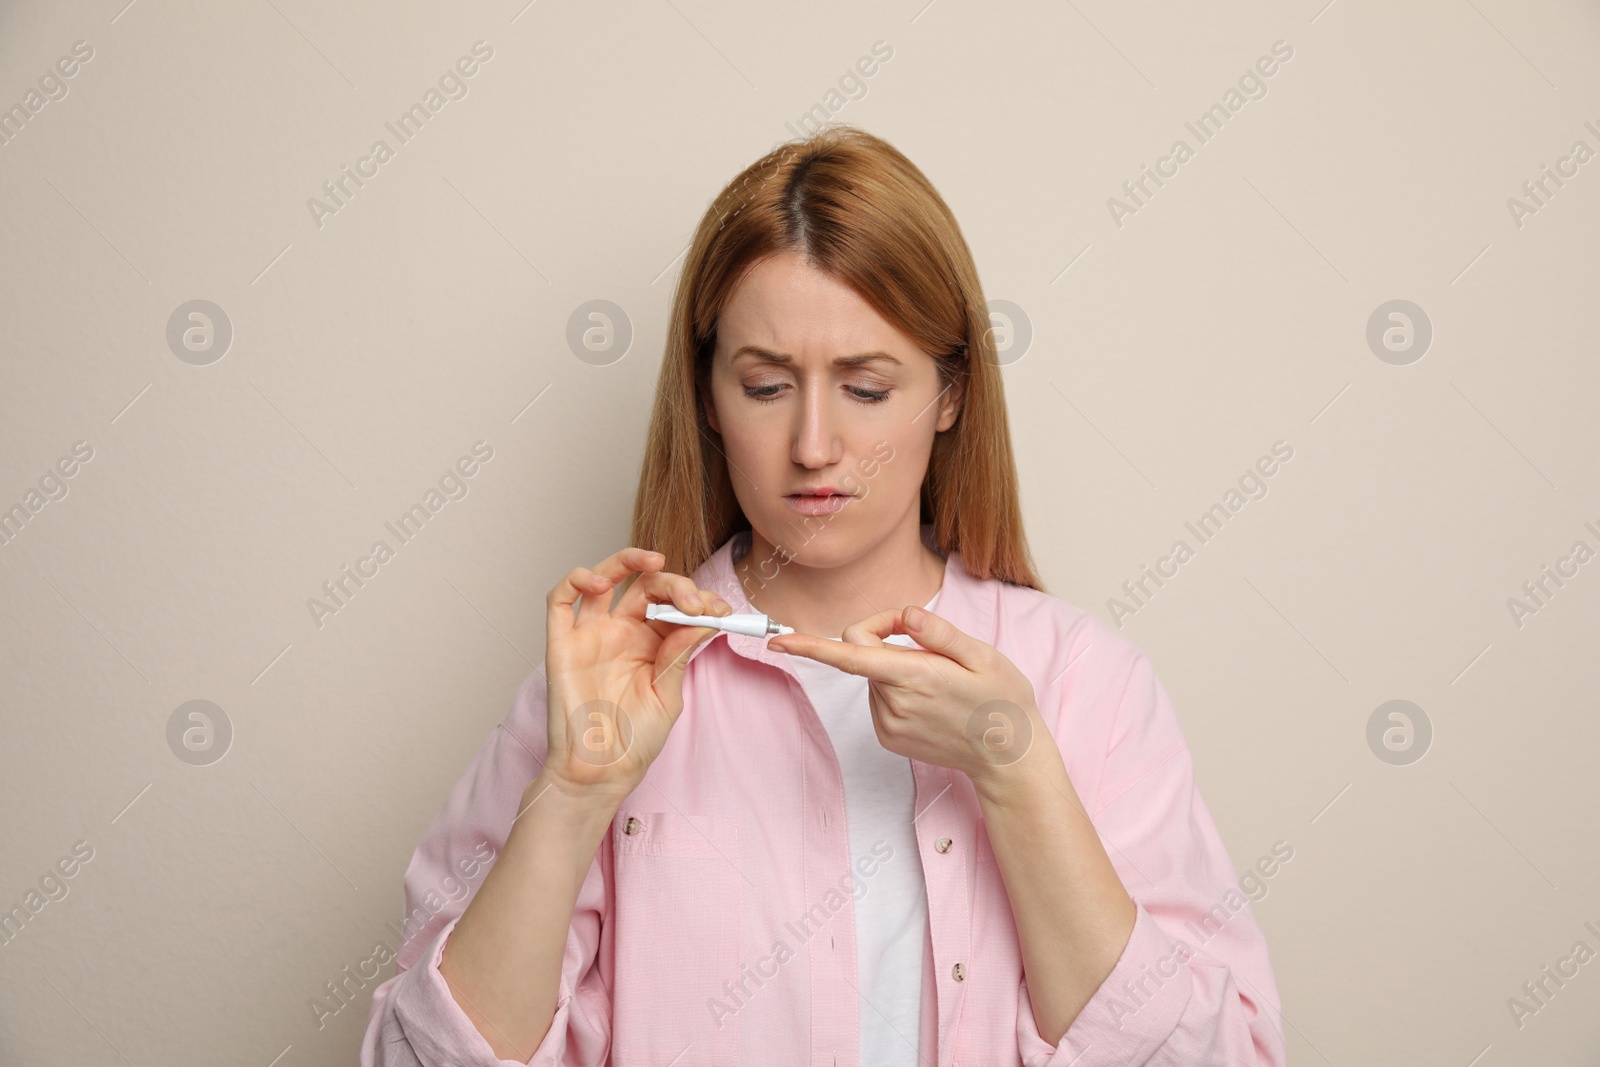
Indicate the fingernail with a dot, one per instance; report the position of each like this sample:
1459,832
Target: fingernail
916,618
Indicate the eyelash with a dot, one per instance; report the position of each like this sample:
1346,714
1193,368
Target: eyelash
860,396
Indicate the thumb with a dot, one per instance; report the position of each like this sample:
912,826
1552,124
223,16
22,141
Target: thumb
672,659
939,635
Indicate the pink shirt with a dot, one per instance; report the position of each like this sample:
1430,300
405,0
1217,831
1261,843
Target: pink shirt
716,924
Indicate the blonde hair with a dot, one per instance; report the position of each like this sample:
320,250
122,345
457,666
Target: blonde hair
861,212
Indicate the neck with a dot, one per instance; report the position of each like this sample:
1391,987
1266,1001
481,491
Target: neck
822,598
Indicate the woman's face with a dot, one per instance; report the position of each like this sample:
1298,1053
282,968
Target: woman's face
811,389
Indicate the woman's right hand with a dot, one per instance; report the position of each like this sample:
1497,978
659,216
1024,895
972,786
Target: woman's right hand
614,678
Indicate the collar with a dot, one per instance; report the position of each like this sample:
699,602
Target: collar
968,603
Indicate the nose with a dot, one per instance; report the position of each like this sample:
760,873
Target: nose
816,445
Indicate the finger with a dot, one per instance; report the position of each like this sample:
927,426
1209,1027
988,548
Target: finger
664,587
558,603
624,562
672,658
932,633
863,650
866,655
597,591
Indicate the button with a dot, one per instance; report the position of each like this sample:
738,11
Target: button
632,826
943,844
960,972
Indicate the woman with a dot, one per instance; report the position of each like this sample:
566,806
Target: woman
884,848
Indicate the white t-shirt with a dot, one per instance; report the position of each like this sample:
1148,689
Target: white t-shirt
892,914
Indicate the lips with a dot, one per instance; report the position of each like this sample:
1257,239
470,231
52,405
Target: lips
825,501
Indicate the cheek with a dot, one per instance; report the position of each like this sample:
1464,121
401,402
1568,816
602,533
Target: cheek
750,443
734,424
893,466
758,458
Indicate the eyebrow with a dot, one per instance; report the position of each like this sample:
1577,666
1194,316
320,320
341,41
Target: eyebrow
838,361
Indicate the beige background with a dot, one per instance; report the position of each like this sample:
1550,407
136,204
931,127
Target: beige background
1167,355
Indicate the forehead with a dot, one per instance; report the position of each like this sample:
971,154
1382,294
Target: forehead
786,305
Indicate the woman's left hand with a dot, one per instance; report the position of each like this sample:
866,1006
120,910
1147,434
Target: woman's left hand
956,702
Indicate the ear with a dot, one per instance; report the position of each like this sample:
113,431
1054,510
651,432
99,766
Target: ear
710,405
950,406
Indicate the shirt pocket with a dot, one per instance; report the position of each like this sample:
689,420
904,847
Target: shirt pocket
676,932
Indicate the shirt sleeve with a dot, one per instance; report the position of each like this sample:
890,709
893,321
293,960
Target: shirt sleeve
1194,984
415,1020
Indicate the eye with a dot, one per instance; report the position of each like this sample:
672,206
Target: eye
763,393
766,394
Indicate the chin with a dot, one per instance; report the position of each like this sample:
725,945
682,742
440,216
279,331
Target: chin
816,541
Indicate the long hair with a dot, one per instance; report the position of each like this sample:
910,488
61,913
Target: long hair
862,213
